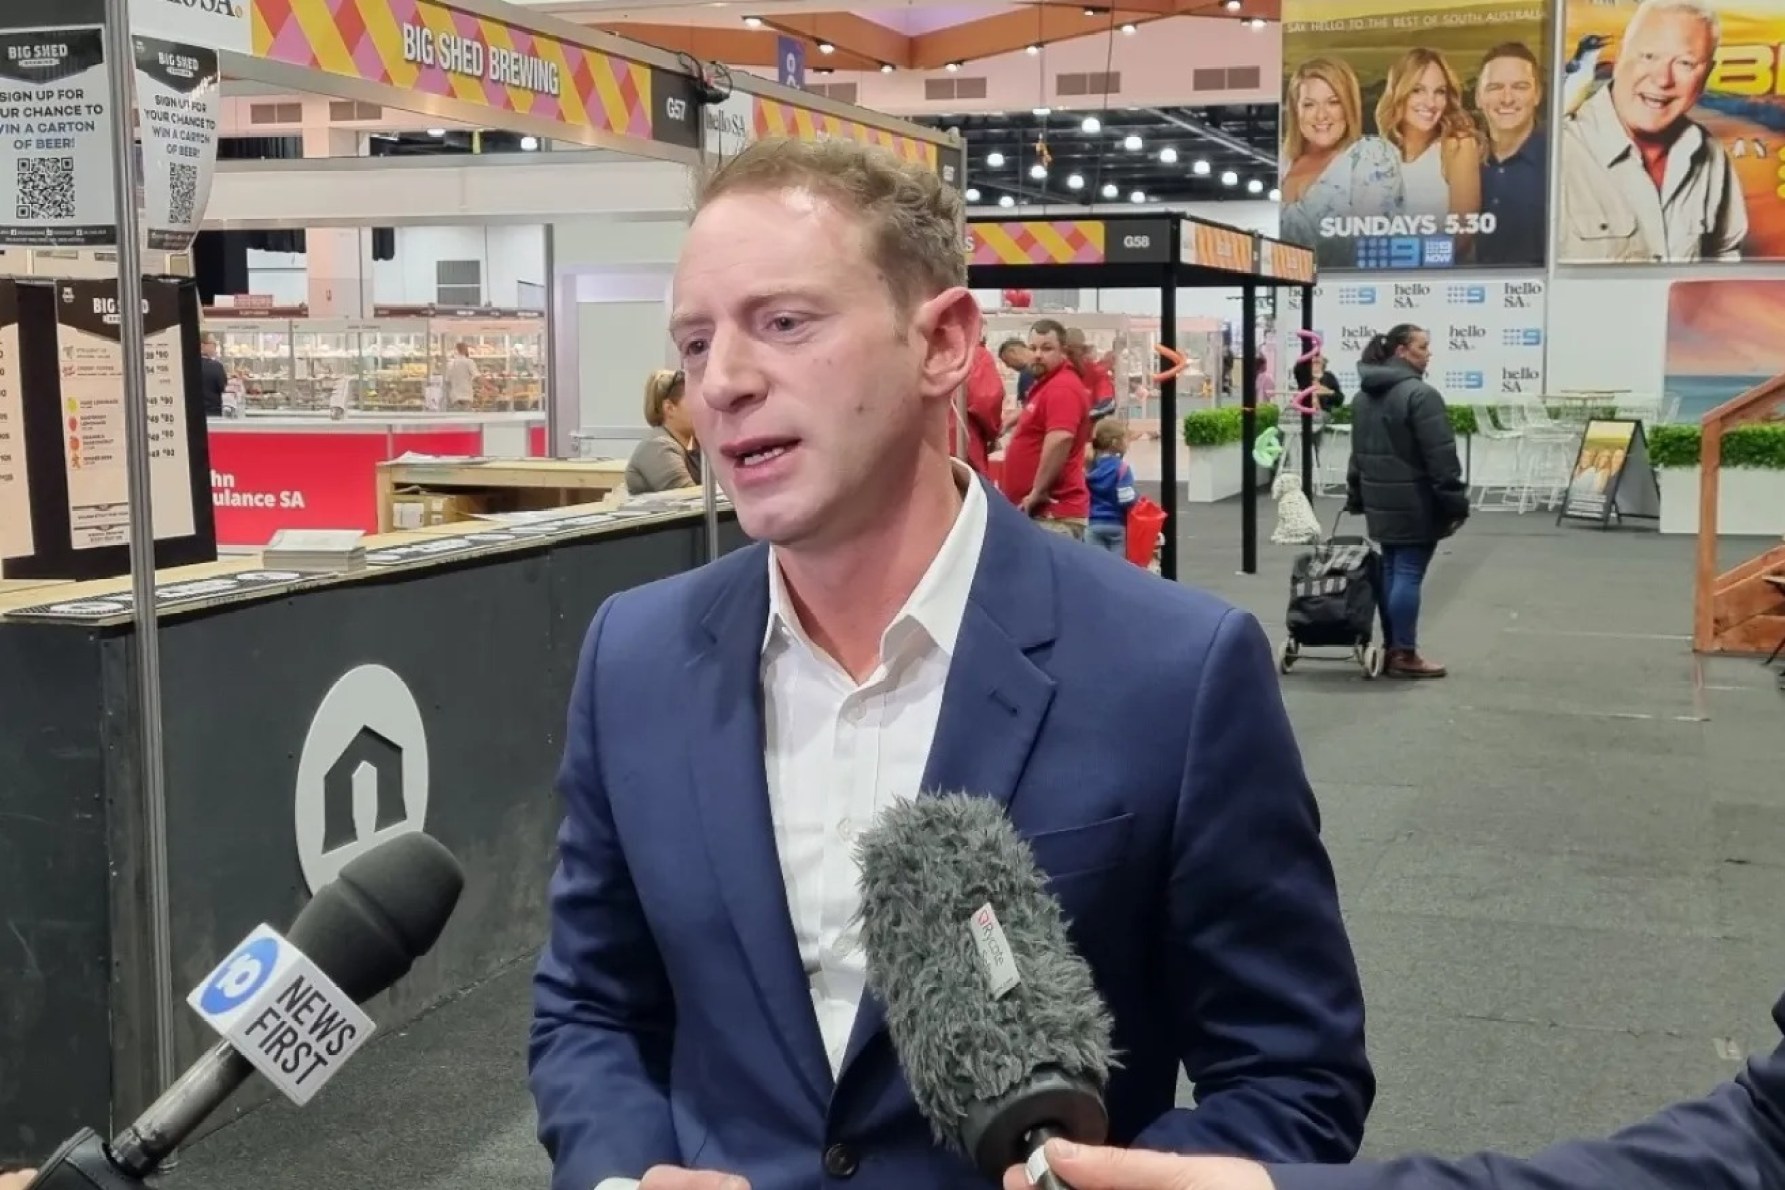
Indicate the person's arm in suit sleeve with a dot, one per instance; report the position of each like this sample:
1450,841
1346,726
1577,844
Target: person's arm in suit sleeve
1257,960
1732,1139
602,1006
1437,441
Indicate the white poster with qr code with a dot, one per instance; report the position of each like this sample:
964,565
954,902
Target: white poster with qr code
55,139
176,96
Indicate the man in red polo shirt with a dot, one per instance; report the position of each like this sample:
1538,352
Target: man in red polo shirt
1044,471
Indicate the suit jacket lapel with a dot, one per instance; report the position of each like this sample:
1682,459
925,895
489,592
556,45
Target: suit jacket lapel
731,790
997,696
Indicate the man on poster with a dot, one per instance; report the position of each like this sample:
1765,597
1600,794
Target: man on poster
1514,178
1641,179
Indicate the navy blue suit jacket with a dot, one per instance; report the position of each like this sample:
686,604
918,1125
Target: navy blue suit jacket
1732,1139
1134,731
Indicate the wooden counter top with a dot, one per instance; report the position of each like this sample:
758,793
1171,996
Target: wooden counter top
187,589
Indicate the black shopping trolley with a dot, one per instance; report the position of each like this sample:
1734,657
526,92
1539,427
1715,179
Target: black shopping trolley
1332,602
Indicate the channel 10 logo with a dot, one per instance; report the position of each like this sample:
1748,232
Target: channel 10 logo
240,977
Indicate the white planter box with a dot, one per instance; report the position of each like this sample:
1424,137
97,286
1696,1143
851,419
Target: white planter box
1750,501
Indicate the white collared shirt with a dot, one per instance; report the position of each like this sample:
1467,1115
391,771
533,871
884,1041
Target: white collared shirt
836,753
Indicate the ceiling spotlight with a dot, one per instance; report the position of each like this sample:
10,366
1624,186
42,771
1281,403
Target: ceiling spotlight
1254,185
972,194
1092,124
529,143
436,132
1231,5
1090,12
1109,190
753,22
825,47
1129,29
1131,143
886,68
1032,50
1038,171
952,66
1043,111
1200,168
1168,155
1275,195
994,159
1229,178
1255,23
1075,181
1137,196
1004,200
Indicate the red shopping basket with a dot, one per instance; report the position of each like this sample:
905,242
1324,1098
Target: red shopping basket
1146,520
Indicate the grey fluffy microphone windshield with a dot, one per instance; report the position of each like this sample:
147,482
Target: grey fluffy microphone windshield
1003,1037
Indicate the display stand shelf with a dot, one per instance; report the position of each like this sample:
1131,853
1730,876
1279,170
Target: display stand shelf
1741,610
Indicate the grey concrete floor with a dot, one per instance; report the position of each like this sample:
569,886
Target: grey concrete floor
1563,869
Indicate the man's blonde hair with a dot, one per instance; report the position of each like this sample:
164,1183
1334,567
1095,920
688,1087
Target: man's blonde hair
916,225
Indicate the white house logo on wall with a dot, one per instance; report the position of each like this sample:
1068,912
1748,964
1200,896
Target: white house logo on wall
363,774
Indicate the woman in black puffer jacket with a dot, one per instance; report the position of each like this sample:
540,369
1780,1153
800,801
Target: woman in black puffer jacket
1406,481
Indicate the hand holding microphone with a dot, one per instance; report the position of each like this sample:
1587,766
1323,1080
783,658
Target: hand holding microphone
997,1022
1094,1167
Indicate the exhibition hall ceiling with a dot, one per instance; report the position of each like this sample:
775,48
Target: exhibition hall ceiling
911,35
1163,154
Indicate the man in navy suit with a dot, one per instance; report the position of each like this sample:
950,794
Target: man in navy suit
898,629
1732,1139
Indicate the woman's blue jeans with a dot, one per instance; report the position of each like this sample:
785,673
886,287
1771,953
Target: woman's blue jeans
1403,574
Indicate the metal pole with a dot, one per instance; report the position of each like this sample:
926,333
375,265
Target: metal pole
1248,428
1170,432
1308,418
120,58
554,421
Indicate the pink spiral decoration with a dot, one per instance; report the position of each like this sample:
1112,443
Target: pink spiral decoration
1307,401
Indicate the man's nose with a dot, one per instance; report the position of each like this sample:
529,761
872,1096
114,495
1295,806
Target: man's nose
729,374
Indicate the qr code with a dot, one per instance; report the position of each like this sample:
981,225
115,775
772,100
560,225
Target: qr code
183,193
46,188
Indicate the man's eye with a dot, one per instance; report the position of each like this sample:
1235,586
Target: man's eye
784,322
694,347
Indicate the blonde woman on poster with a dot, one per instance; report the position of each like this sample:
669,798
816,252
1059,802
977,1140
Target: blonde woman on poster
1421,113
1330,168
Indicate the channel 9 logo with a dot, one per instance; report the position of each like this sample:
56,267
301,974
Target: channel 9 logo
1357,295
1466,295
1522,336
1464,381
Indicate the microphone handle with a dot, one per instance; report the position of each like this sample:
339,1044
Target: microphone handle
141,1148
1040,1176
83,1164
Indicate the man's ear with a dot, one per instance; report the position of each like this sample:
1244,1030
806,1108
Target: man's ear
951,326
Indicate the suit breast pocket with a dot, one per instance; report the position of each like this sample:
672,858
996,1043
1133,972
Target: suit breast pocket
1082,850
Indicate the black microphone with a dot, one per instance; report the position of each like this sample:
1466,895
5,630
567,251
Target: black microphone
364,930
1003,1037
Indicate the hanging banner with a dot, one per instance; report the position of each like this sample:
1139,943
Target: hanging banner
15,482
55,139
176,95
1696,87
1486,335
1413,132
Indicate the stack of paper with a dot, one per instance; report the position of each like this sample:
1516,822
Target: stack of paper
316,551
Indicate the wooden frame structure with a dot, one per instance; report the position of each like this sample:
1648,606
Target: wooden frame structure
1742,610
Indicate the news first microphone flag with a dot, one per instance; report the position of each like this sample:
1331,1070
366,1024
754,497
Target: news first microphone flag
280,1011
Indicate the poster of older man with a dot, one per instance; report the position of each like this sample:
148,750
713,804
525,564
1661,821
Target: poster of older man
1671,132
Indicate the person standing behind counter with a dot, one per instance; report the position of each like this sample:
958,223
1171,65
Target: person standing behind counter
667,459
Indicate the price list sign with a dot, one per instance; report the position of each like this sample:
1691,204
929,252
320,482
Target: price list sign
90,360
15,485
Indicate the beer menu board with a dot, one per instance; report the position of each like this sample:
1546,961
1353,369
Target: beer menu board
65,494
15,484
90,360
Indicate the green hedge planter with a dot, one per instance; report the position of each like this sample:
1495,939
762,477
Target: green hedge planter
1755,446
1761,447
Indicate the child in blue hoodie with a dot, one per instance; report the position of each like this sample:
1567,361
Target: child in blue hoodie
1112,486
